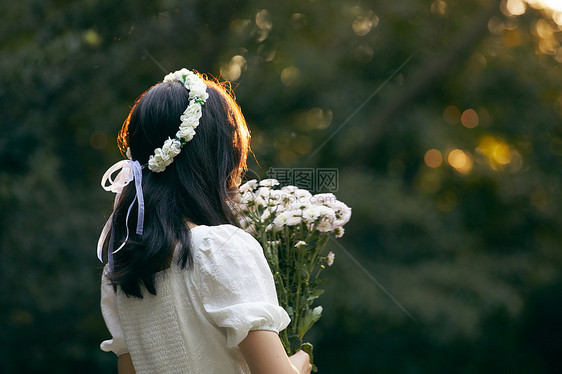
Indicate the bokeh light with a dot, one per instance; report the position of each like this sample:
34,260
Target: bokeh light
363,24
555,5
439,7
433,158
291,76
92,38
499,153
460,160
512,8
318,118
234,68
469,118
264,24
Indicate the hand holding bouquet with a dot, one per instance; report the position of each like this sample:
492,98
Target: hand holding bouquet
293,227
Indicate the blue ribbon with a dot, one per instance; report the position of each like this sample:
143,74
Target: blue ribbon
128,170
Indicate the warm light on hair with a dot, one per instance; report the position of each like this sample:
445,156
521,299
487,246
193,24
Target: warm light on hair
236,118
242,133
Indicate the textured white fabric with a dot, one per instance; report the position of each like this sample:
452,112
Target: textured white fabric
199,316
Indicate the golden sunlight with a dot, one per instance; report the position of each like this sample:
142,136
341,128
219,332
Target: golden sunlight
551,4
499,153
551,7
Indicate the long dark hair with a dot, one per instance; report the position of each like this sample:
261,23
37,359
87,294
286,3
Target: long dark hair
194,188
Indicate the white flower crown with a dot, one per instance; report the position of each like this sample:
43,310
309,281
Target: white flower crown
189,119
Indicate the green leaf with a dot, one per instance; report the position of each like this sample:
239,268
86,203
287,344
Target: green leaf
309,319
315,294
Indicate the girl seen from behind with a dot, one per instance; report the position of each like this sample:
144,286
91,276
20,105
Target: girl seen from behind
185,290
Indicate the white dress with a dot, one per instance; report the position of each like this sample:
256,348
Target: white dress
199,315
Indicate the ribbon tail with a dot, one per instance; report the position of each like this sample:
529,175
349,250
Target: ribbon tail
127,226
110,252
140,198
103,236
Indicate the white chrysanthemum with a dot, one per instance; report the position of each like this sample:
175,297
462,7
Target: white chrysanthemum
286,198
260,201
327,213
310,214
248,197
324,226
343,212
279,198
330,258
294,220
323,199
300,243
269,182
290,189
302,206
339,231
302,196
249,186
264,193
281,220
313,213
265,215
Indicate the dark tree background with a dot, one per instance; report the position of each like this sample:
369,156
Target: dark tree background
443,118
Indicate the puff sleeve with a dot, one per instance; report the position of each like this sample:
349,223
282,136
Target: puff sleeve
236,285
110,314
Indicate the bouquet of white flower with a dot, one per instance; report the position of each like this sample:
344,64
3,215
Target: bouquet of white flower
293,227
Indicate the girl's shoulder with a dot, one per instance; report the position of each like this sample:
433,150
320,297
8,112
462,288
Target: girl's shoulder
217,240
225,231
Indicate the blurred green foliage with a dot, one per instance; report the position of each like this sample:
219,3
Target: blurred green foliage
466,237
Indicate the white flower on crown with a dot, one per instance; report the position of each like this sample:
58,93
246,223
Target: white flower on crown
164,156
186,133
189,119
